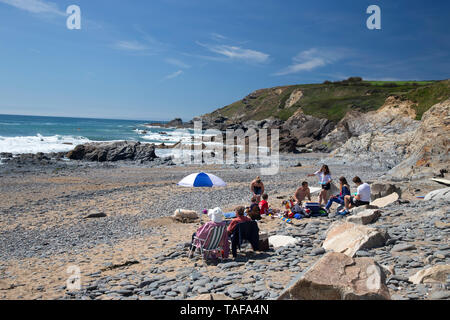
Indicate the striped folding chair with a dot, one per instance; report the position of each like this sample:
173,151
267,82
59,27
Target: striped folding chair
212,243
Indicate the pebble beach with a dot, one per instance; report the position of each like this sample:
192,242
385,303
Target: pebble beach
112,222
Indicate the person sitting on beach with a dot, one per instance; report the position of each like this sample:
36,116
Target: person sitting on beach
362,197
217,220
240,217
253,210
345,191
264,205
257,188
325,182
302,193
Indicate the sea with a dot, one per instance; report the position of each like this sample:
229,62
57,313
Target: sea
33,134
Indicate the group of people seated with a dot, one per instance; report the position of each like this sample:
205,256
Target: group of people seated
345,199
259,205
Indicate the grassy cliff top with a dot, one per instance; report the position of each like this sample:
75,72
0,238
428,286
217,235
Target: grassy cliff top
333,100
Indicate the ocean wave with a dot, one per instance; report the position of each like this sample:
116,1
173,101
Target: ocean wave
39,143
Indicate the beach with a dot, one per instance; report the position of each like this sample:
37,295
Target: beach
134,250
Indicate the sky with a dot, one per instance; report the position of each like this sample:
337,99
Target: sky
162,59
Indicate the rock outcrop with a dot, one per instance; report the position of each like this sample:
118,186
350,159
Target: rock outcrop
306,129
339,277
396,116
427,152
116,151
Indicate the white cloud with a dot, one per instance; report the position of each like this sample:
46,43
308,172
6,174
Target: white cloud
130,46
35,6
174,75
177,63
237,53
311,59
217,36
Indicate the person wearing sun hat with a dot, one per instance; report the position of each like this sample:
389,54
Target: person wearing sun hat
217,219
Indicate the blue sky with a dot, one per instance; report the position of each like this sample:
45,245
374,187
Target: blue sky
160,59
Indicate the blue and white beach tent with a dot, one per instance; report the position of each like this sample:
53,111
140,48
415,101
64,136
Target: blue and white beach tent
199,180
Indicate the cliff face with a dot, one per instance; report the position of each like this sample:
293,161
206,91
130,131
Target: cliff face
393,140
428,150
395,117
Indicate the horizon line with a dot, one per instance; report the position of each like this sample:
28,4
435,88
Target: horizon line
83,117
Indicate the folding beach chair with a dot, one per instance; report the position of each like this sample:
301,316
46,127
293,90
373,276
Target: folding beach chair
212,243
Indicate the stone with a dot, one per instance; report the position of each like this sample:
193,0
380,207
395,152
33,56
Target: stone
210,296
318,251
438,295
383,189
365,217
435,274
385,201
403,247
115,151
279,241
349,238
185,216
357,210
337,276
441,194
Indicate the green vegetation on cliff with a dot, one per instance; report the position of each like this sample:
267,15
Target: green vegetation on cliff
333,100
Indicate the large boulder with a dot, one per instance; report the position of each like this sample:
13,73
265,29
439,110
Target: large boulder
441,194
435,274
115,151
383,189
365,217
337,276
349,238
385,201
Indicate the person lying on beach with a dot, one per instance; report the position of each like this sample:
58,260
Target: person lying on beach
325,180
217,220
345,191
240,217
362,197
264,205
257,188
302,193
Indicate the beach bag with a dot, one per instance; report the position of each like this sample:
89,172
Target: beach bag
315,209
263,244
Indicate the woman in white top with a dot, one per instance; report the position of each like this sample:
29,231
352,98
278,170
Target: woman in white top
325,182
